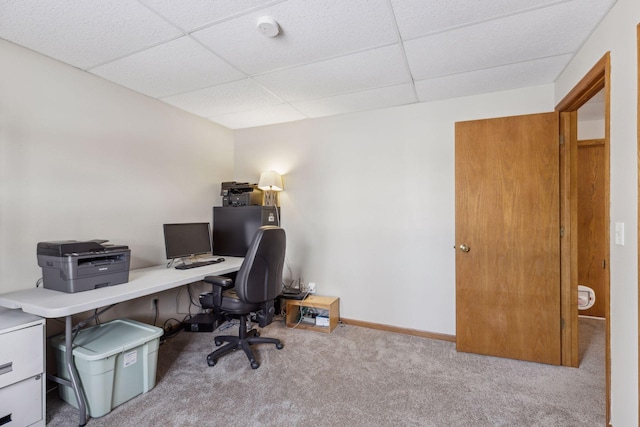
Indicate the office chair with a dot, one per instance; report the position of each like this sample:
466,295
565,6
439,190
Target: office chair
257,284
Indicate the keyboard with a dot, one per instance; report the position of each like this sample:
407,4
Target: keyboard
198,264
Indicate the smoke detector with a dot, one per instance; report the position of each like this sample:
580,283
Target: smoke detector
268,26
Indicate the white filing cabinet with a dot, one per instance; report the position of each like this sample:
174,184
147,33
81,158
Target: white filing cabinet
22,380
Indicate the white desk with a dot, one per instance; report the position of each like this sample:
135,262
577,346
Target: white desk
145,281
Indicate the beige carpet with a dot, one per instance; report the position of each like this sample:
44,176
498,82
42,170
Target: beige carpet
359,377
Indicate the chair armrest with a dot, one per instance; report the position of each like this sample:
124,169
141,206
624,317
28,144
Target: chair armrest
220,283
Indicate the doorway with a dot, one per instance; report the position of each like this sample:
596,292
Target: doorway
592,193
472,243
595,81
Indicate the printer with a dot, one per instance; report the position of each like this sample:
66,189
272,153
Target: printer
240,194
73,266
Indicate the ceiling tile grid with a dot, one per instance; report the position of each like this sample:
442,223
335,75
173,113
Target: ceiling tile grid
331,56
83,33
311,30
384,97
506,77
555,30
417,18
241,95
181,65
190,15
350,73
273,114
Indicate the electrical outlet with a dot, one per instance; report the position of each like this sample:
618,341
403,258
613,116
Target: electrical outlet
311,286
155,302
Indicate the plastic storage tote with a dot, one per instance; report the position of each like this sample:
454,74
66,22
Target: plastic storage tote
116,361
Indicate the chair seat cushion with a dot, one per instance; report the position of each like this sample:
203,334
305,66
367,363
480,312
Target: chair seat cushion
231,304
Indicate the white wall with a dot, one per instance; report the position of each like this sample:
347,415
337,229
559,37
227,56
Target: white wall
369,202
82,158
369,198
590,129
617,34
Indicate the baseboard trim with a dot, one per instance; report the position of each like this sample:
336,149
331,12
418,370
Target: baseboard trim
406,331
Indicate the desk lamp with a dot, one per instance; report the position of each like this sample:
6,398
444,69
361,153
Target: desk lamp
270,182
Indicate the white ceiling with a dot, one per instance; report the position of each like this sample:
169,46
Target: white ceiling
331,57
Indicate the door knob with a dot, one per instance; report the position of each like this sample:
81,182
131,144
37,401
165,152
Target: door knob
464,248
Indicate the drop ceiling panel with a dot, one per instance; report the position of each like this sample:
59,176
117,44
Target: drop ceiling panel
365,70
417,18
259,117
241,95
331,57
192,14
83,33
554,30
181,65
523,74
384,97
312,30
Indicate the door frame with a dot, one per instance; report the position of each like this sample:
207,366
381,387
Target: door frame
596,79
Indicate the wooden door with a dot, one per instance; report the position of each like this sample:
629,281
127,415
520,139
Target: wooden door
592,228
507,224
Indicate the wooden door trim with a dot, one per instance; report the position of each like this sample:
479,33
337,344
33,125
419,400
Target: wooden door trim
596,79
569,241
591,143
591,83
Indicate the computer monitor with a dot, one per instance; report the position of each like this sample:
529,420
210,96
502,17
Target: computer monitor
187,239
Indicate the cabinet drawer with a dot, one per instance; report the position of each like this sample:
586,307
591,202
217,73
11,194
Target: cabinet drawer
21,403
21,354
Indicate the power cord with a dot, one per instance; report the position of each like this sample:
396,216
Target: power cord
155,308
169,330
300,317
277,215
197,304
192,300
229,324
76,329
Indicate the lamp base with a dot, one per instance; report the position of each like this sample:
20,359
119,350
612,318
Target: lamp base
270,198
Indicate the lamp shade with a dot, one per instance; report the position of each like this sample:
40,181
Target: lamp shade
270,181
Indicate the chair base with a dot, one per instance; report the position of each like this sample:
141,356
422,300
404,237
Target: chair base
243,341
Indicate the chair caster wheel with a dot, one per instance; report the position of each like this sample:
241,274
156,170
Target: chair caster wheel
279,346
210,361
257,334
255,365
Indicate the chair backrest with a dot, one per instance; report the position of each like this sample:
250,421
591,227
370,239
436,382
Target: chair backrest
260,276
